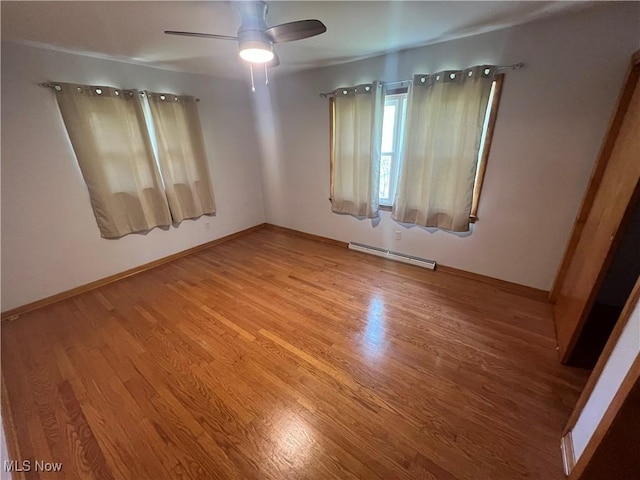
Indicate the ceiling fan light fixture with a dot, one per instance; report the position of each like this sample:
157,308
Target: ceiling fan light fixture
255,39
256,51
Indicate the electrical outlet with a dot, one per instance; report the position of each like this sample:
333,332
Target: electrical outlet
398,235
207,225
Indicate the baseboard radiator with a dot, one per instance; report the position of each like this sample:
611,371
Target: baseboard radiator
398,257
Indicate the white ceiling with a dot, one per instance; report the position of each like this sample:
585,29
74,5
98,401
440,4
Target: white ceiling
133,31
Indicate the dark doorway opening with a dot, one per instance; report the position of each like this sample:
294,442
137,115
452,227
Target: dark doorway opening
612,296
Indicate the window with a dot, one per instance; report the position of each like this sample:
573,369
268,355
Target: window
141,170
395,111
114,154
181,156
395,106
450,134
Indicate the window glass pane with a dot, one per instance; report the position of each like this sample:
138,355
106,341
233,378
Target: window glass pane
485,127
392,125
385,176
388,126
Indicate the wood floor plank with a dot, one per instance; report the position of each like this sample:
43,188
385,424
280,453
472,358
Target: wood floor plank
272,356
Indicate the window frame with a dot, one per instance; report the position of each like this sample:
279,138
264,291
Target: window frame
399,97
332,143
483,159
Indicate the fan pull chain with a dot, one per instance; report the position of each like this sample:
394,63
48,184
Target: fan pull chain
253,85
266,75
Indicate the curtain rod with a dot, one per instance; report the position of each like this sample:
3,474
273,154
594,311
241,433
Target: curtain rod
53,86
515,66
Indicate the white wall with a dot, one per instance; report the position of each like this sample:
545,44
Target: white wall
625,352
551,122
50,241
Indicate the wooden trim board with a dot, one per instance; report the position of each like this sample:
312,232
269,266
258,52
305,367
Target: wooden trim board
310,236
624,317
332,143
606,149
16,312
529,292
628,384
493,117
523,290
609,214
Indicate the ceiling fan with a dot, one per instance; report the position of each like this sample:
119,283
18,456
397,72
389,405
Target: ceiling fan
255,39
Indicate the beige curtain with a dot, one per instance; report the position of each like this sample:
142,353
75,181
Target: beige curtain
109,136
181,155
357,127
442,138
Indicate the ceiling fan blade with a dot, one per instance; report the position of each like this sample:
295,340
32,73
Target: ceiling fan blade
288,32
200,35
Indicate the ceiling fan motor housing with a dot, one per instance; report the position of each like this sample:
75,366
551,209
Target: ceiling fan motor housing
254,23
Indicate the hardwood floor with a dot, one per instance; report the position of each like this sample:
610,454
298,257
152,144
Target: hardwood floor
276,357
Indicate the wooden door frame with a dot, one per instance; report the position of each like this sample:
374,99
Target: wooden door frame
624,99
628,309
634,203
577,468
